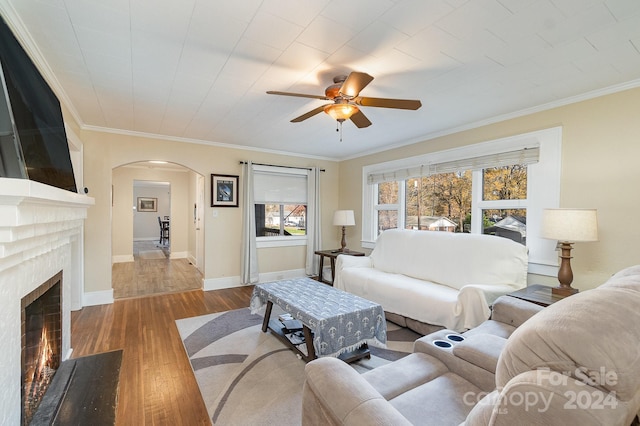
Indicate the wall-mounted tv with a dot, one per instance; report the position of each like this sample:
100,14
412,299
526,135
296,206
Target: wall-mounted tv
33,141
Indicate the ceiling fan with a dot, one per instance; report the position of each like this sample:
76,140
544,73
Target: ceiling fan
345,94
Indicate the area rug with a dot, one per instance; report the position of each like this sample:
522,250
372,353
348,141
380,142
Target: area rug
152,254
247,377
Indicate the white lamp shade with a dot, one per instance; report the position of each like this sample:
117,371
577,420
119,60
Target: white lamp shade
344,218
570,225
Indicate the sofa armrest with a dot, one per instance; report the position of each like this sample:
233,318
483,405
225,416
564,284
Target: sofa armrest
482,350
334,393
475,299
353,262
349,262
513,311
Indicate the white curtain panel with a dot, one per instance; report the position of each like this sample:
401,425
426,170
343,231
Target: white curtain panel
249,262
314,229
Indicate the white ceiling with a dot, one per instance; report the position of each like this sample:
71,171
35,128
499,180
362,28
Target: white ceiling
198,69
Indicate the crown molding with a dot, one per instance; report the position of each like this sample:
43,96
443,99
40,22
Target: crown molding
633,84
201,142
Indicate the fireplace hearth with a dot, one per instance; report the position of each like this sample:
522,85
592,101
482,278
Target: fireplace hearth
41,342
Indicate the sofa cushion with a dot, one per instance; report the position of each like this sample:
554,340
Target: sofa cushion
445,400
556,339
426,302
397,377
451,259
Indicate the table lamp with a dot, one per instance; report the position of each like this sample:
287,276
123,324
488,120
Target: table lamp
344,218
568,226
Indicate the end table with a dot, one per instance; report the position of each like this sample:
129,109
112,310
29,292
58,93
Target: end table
332,255
538,294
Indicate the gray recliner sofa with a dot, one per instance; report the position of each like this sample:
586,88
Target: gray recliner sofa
574,362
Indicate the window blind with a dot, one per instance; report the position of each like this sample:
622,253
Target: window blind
521,156
275,187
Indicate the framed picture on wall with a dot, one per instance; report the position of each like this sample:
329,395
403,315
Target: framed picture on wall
224,191
146,204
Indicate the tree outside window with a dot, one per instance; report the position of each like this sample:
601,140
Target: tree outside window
280,220
387,206
444,201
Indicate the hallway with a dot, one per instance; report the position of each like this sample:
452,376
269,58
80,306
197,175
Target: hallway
152,272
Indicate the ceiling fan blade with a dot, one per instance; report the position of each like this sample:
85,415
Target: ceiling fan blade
309,114
355,83
298,95
360,120
388,103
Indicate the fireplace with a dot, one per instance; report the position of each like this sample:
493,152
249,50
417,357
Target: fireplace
41,342
41,234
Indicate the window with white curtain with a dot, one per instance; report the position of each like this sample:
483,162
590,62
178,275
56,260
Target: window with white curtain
280,197
498,187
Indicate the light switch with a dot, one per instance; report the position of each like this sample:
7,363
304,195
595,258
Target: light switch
215,213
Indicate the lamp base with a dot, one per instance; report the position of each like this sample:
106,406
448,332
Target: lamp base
562,291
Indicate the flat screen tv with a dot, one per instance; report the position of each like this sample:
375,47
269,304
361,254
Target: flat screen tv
33,141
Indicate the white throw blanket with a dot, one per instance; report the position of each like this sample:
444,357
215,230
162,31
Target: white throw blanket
438,278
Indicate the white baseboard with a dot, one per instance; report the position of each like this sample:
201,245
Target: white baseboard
94,298
231,282
281,275
220,283
122,258
178,255
147,239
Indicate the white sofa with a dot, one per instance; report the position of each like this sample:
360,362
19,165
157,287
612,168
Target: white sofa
441,279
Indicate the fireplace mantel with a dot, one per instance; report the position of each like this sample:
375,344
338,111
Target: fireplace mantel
32,215
41,233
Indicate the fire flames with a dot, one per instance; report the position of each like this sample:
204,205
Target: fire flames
41,375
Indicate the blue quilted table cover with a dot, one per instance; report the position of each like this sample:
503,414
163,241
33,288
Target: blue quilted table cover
340,321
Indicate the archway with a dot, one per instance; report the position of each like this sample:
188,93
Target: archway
146,196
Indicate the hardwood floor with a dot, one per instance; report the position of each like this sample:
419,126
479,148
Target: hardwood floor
152,272
157,385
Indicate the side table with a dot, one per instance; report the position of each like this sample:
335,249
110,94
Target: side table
332,254
538,294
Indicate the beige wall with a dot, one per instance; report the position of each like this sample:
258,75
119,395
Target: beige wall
104,151
600,151
599,155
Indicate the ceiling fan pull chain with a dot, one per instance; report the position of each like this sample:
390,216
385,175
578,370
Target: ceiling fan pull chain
339,124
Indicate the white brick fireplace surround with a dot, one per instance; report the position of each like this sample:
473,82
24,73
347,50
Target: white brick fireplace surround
41,234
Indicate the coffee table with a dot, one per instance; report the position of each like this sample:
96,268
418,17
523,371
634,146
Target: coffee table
335,323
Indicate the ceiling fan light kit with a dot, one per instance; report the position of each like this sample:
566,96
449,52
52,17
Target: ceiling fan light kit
345,94
341,111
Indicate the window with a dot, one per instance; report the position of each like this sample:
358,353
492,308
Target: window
387,206
504,202
280,220
440,202
280,198
498,187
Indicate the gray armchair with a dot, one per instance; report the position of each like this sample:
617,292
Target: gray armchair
574,362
